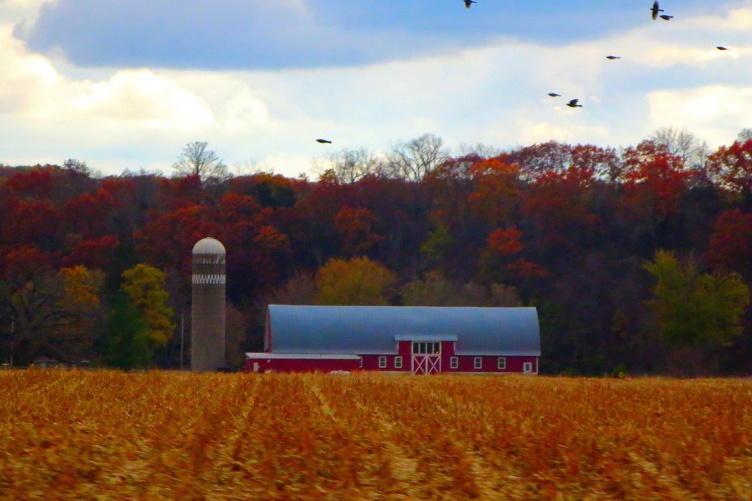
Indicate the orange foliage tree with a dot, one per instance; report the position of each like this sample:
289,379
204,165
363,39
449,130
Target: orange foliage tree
358,281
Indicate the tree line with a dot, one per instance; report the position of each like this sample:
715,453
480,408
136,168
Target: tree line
638,260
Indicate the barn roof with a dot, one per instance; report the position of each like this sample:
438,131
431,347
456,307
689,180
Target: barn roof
376,329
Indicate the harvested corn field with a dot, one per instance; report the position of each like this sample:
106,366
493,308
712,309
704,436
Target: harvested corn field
166,435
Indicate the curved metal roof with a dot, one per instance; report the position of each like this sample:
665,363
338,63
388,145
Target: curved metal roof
209,246
376,329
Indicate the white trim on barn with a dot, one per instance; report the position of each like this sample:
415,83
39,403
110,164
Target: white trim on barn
302,356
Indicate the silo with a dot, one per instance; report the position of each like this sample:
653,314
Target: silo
208,306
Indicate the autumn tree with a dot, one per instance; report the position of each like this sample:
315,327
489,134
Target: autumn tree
269,190
695,310
197,160
655,183
435,289
358,281
355,227
144,286
539,158
300,288
506,241
730,245
415,159
502,260
683,144
560,203
82,289
349,166
497,190
52,312
731,166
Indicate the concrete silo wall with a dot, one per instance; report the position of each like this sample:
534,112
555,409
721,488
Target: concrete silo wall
208,312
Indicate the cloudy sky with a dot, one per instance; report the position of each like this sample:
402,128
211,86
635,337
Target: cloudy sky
125,84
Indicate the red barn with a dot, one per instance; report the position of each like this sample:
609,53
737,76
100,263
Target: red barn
402,339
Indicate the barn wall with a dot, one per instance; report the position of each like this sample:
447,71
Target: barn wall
301,365
466,363
371,363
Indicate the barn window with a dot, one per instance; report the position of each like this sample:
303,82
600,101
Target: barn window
501,363
527,367
382,362
422,348
478,363
397,362
454,362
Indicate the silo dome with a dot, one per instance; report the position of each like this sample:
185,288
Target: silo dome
209,246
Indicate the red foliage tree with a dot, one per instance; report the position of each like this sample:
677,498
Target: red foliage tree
29,222
95,253
730,247
506,241
655,180
560,202
23,262
35,183
180,192
731,166
354,227
88,214
527,269
497,190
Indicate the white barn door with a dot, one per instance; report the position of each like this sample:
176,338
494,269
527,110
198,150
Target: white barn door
426,358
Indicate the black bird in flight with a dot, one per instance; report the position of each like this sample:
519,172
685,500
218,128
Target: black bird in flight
468,3
323,141
656,9
573,104
613,57
721,47
666,17
554,94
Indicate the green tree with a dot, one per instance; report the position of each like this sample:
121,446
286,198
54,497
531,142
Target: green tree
694,309
127,335
438,244
145,286
358,281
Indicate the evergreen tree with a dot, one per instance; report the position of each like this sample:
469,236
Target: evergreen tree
126,336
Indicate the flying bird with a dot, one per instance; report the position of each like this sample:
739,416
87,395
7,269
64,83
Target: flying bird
721,47
666,17
573,104
554,94
468,3
323,141
656,9
613,57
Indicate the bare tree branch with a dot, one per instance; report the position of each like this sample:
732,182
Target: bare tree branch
197,160
414,159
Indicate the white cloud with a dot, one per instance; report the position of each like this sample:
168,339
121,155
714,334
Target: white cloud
134,95
494,95
714,113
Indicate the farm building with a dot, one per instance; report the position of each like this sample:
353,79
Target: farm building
400,339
